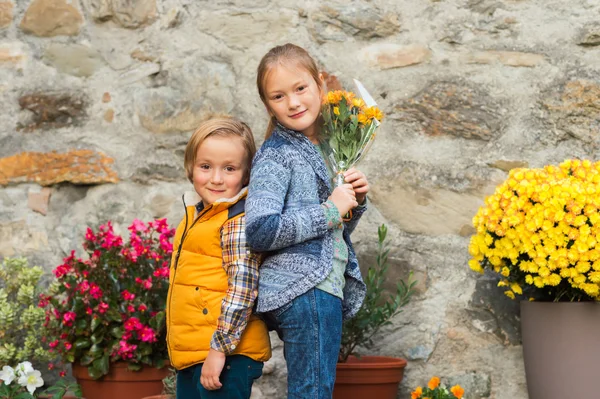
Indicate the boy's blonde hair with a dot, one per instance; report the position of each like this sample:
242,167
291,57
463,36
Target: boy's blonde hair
221,127
277,56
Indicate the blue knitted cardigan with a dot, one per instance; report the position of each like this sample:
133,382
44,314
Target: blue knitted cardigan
285,221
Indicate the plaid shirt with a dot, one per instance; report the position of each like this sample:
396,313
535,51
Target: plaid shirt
241,266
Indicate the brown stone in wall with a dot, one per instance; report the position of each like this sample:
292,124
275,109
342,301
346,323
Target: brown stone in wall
128,13
6,13
48,18
572,110
47,168
38,202
446,108
52,110
508,58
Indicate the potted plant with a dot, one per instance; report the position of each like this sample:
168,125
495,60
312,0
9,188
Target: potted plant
372,376
105,314
22,381
436,391
540,233
169,387
20,319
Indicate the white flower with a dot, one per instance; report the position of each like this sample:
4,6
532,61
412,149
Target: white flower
32,380
23,368
7,375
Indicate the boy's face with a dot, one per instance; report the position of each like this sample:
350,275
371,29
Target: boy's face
294,98
220,168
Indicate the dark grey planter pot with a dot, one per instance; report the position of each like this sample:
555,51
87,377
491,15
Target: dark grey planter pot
561,348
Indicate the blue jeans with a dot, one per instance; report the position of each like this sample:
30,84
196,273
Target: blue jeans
311,328
237,378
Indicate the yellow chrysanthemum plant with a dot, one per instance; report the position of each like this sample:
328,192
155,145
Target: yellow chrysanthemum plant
540,231
434,390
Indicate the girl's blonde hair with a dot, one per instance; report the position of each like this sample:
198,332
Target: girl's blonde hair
278,55
221,127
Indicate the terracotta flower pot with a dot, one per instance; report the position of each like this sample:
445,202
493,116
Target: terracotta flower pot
121,383
369,377
561,348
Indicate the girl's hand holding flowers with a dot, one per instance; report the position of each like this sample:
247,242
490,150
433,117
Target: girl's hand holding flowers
344,198
359,183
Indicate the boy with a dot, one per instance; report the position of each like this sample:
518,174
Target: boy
215,343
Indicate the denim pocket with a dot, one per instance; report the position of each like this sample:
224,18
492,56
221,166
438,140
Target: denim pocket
279,311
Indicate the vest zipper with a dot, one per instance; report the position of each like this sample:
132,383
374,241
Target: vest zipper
185,231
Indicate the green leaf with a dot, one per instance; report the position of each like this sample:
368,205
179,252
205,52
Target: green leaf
96,322
94,372
82,343
102,364
96,350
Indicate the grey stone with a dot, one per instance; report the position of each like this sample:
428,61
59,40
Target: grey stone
138,72
589,35
365,21
491,311
76,60
420,352
128,13
197,90
476,384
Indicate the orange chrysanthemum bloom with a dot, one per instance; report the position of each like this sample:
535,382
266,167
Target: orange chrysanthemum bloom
434,382
417,393
457,391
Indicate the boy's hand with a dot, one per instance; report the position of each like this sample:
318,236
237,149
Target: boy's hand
211,370
343,198
359,184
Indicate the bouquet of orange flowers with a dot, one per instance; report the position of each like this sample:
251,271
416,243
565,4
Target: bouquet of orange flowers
436,391
349,128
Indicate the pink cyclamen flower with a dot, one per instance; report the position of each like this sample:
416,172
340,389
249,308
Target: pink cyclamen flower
130,308
68,345
53,344
133,323
103,307
128,296
69,318
147,284
147,334
95,291
137,225
84,286
89,310
89,235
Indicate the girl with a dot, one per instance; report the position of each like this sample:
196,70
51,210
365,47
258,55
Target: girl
309,280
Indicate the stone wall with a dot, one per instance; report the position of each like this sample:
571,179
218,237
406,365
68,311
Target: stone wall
99,97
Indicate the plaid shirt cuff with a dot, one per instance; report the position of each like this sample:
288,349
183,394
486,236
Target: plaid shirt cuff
223,342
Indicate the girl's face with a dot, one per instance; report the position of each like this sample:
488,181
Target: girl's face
293,98
220,168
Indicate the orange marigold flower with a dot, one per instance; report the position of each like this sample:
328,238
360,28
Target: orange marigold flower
336,110
457,391
362,119
417,393
434,382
